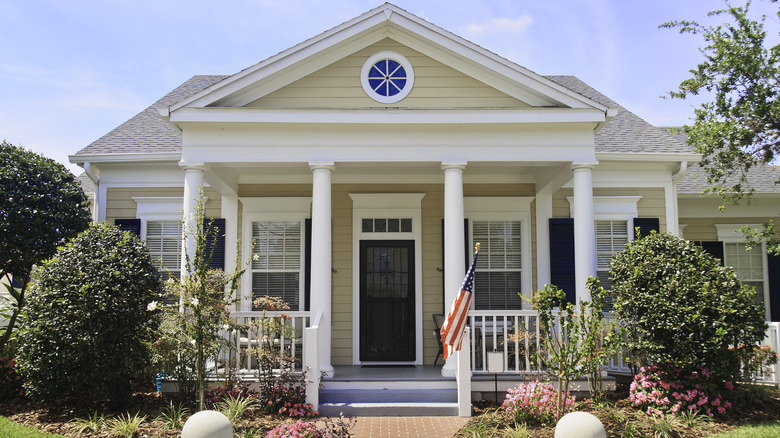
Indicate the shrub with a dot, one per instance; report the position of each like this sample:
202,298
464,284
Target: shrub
87,318
672,391
535,401
10,381
300,429
682,309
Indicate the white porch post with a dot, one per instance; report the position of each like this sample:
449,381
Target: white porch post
321,254
454,268
230,214
544,209
193,182
584,228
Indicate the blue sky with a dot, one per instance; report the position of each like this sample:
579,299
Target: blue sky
70,71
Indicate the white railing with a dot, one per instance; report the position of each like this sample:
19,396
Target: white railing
515,333
249,338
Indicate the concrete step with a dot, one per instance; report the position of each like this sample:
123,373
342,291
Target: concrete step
381,401
405,409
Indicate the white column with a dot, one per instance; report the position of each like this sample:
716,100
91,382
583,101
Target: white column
193,182
543,214
230,214
454,244
584,228
321,254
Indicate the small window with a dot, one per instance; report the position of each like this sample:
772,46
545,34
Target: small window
163,238
391,225
611,238
498,275
387,77
749,265
276,261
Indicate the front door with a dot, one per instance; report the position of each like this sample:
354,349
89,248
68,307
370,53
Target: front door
387,318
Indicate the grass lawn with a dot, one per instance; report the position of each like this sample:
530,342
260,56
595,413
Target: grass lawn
9,429
753,431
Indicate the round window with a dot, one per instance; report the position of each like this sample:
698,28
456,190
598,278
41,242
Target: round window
387,77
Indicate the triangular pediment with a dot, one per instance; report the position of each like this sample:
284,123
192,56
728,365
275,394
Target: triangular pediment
450,72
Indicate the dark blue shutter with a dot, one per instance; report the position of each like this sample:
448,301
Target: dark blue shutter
215,242
773,265
646,225
131,225
562,256
714,249
307,265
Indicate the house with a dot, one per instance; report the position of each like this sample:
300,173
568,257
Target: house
358,168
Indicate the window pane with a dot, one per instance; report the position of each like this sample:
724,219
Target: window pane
163,239
276,260
497,282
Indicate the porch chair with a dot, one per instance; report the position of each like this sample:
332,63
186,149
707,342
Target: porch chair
438,321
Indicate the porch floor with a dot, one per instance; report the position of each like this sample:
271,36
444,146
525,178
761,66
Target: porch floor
357,373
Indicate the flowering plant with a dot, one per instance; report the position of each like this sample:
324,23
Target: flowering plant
299,429
671,391
10,382
535,401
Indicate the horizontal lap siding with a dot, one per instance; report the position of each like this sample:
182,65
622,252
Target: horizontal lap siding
120,203
703,229
338,85
652,204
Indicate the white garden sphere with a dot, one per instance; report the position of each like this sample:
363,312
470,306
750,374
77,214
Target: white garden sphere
207,424
579,425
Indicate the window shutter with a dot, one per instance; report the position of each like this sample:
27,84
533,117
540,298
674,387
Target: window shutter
646,225
714,249
307,265
773,268
131,225
562,256
215,242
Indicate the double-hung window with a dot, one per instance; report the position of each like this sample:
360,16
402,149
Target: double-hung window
163,239
275,236
611,237
502,226
750,265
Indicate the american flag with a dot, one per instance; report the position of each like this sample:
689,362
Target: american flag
452,329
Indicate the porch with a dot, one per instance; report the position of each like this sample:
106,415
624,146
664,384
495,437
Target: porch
376,390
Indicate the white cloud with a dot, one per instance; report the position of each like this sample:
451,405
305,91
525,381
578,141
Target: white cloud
501,25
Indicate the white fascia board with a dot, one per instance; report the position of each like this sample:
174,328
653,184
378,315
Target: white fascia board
387,116
126,158
645,157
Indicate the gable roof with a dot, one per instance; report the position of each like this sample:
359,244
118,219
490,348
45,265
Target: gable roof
762,178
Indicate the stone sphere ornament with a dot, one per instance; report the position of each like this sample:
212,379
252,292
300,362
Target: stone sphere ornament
207,424
579,425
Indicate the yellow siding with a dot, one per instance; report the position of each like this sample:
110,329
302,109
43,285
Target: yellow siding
338,85
703,229
120,204
652,204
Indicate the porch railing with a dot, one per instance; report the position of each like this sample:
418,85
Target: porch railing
246,340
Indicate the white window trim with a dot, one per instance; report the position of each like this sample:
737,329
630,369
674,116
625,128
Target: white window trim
377,205
395,57
271,209
163,208
516,208
730,233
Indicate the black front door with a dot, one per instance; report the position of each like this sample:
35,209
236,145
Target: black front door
387,319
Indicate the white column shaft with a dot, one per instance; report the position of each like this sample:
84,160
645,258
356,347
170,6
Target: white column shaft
454,268
584,229
193,182
321,264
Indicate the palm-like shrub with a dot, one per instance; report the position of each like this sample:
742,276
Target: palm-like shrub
87,317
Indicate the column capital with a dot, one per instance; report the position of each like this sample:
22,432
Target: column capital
583,165
322,165
192,165
458,165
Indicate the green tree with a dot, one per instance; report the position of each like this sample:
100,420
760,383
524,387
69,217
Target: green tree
739,128
41,206
89,321
682,309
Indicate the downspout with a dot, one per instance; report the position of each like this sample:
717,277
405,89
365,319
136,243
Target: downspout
675,179
96,181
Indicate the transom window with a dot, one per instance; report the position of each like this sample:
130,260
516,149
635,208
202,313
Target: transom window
498,275
387,225
276,261
163,239
387,77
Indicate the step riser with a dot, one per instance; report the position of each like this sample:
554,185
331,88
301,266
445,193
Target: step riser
387,385
389,410
389,396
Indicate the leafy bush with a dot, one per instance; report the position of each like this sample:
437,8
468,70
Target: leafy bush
10,381
671,391
535,401
88,323
682,309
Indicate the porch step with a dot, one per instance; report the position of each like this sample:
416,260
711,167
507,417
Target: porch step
388,402
367,392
